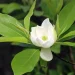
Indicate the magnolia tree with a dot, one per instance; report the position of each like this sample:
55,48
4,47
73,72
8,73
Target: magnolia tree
43,39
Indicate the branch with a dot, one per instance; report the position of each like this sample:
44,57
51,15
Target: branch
63,59
71,57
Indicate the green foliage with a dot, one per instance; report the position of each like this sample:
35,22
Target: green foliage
11,7
43,65
51,7
72,28
71,73
57,25
68,35
10,25
38,13
67,1
14,39
25,8
66,17
55,48
25,61
27,18
53,72
27,2
66,43
3,5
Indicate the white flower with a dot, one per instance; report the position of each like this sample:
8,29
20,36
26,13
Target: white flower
44,36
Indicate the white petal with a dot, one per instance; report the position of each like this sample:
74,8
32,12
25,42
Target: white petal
47,44
46,24
50,29
46,54
33,30
33,36
52,36
40,31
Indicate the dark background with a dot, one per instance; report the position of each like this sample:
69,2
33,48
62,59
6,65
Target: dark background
6,52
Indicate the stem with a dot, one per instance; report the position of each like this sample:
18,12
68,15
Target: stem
45,69
71,57
44,66
24,30
63,59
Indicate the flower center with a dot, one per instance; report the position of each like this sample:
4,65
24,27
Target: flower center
44,38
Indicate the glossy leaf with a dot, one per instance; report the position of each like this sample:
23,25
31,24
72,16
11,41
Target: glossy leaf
68,35
25,61
55,48
14,39
11,7
57,25
67,17
66,43
10,27
71,30
27,18
51,7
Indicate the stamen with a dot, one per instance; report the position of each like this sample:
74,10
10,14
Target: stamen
44,38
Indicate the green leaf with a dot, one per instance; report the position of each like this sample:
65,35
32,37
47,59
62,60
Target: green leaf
51,7
14,39
38,13
57,25
43,65
67,1
71,73
25,8
11,7
68,35
27,18
25,61
66,43
53,72
70,30
10,27
59,67
3,5
55,48
67,17
38,73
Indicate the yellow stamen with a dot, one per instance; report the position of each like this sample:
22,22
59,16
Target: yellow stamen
44,38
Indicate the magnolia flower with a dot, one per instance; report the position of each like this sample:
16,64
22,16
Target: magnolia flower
44,36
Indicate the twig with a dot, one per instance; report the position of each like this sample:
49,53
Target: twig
71,57
63,59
